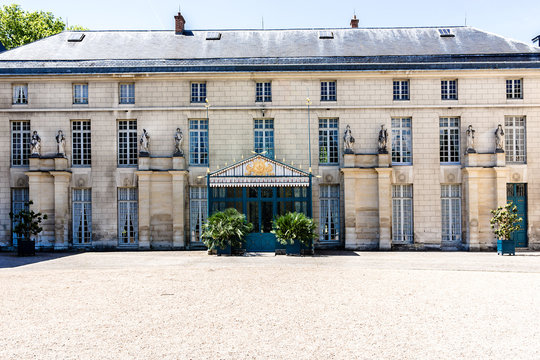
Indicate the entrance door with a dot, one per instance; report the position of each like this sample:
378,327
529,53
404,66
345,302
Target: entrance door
260,212
517,194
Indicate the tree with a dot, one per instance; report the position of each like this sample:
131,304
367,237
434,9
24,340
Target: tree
27,222
19,27
505,221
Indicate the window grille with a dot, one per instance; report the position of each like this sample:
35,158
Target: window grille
328,141
80,93
402,214
20,94
82,216
328,91
515,144
127,93
198,92
514,89
19,201
329,213
198,212
127,142
82,144
449,140
263,92
128,218
449,90
264,137
198,142
20,143
401,89
451,213
401,141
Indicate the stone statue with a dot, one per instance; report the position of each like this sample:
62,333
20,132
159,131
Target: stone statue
383,140
60,144
145,142
178,138
348,141
470,140
35,145
499,139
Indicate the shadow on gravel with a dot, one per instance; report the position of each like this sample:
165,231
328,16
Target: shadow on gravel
327,253
11,260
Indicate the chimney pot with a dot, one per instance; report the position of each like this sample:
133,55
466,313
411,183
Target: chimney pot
354,22
179,24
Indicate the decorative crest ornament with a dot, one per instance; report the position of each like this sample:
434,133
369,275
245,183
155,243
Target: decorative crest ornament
259,167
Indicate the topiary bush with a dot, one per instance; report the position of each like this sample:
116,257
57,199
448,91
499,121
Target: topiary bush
293,227
224,228
505,221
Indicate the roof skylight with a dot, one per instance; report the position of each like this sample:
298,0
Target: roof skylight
76,37
446,33
212,35
326,34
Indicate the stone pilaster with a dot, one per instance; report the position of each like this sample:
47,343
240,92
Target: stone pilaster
349,183
144,208
385,207
501,174
470,183
62,180
179,181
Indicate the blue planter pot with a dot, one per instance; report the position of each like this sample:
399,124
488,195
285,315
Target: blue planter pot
506,247
298,248
226,251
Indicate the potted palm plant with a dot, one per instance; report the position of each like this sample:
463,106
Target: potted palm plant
28,224
225,231
504,222
296,231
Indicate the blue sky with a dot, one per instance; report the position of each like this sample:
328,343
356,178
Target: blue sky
516,19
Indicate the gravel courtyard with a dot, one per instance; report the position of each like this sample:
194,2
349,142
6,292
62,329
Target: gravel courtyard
345,305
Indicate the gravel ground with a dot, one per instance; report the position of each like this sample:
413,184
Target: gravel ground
187,305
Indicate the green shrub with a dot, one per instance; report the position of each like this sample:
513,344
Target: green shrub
27,222
224,228
505,221
294,226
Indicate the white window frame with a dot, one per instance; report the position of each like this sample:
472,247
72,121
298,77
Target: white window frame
329,214
19,201
401,90
449,140
449,89
263,91
515,139
514,89
81,144
127,134
81,207
126,93
402,214
263,135
80,94
329,139
198,92
20,94
329,90
128,217
199,139
20,143
198,205
402,141
451,213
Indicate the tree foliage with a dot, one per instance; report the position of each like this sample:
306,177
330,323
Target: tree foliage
27,222
294,226
505,221
19,27
224,228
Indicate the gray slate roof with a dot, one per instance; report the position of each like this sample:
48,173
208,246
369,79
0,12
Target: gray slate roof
268,50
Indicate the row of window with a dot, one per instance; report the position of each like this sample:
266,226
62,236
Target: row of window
449,141
263,91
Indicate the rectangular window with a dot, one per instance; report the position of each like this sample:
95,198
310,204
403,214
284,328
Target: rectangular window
449,140
80,93
19,201
81,135
328,91
198,142
20,143
449,89
127,142
20,94
515,145
402,214
401,89
263,92
264,137
329,213
451,213
82,216
514,89
128,218
127,93
328,141
198,92
401,141
198,213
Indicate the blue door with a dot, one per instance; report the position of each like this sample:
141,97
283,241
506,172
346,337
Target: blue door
260,212
517,194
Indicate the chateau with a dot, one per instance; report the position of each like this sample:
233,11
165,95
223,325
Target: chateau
388,137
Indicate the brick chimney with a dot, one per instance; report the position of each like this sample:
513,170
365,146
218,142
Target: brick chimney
354,22
179,24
